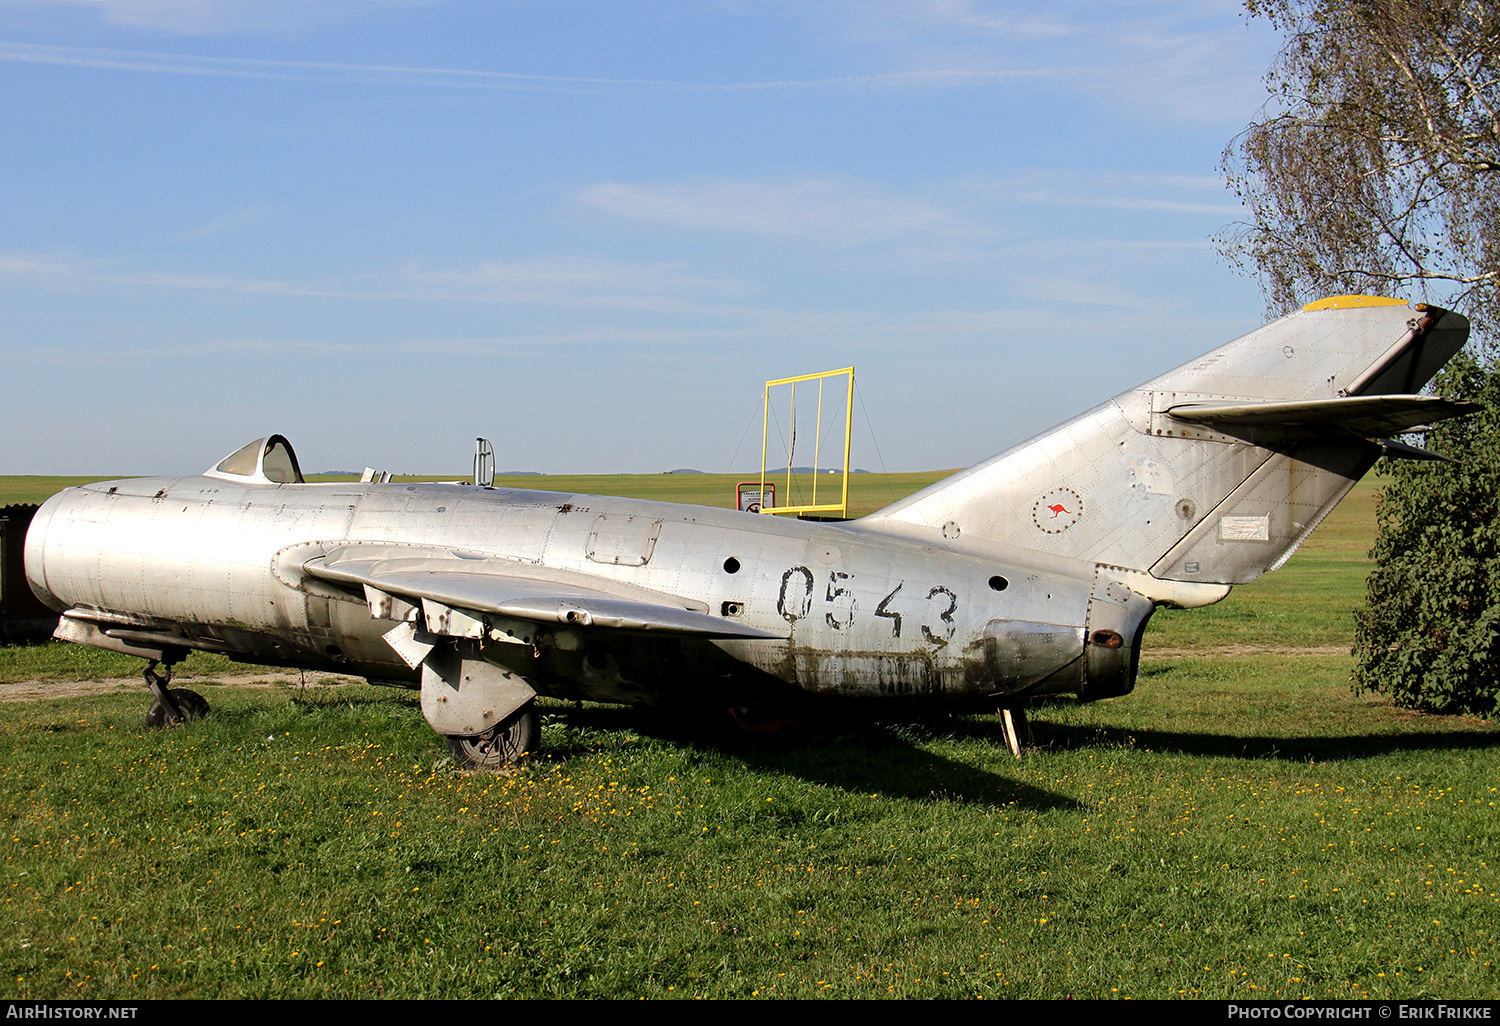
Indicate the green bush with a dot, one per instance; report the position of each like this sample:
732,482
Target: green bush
1430,635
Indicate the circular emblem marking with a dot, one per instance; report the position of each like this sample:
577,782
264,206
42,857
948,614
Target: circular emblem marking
1057,510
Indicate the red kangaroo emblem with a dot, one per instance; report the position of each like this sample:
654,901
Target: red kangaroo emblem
1059,508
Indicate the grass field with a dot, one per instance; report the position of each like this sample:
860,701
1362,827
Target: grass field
1240,826
1309,603
867,492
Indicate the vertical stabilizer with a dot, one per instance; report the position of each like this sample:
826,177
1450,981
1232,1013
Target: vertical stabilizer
1214,472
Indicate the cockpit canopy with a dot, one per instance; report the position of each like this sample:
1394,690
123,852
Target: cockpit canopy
267,460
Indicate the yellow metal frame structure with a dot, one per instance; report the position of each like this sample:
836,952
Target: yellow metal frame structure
842,506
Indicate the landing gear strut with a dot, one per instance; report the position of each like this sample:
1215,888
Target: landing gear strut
1014,724
171,706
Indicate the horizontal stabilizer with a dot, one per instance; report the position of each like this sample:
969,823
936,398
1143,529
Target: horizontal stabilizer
480,586
1394,450
1370,416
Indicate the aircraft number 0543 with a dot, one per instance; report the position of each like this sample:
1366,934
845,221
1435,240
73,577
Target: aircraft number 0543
799,588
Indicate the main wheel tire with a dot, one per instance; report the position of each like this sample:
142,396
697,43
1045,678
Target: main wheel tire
193,706
759,721
504,744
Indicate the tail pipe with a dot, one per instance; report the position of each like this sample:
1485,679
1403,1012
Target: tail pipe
1112,638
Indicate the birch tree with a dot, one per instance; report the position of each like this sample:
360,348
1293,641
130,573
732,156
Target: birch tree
1375,168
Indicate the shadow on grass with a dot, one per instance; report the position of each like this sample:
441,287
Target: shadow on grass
346,712
861,757
1063,736
1265,746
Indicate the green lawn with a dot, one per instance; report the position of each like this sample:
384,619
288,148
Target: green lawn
1309,603
1238,827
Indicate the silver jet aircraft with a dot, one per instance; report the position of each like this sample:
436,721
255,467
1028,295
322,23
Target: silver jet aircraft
1032,573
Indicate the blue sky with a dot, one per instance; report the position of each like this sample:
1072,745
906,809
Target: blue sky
590,231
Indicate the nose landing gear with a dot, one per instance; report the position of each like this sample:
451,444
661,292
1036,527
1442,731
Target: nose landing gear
171,706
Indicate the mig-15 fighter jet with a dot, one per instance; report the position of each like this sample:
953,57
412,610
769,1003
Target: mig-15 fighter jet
1033,573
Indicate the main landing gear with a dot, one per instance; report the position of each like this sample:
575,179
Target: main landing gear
171,706
1015,726
504,744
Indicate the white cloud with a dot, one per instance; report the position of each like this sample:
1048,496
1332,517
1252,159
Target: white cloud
829,210
546,281
953,20
213,17
94,354
564,281
155,62
1165,193
1039,288
955,221
1183,60
232,223
1164,206
36,265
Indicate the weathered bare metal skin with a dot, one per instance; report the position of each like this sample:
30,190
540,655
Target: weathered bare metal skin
208,562
1032,573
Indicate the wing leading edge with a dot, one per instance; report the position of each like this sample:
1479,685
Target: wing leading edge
496,587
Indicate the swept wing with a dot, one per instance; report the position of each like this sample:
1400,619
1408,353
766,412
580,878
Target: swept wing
477,585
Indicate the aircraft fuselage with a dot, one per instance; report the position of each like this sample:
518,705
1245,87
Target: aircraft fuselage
218,565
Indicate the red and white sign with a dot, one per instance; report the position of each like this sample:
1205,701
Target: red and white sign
751,499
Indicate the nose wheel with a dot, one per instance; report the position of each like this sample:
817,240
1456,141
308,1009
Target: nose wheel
171,706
